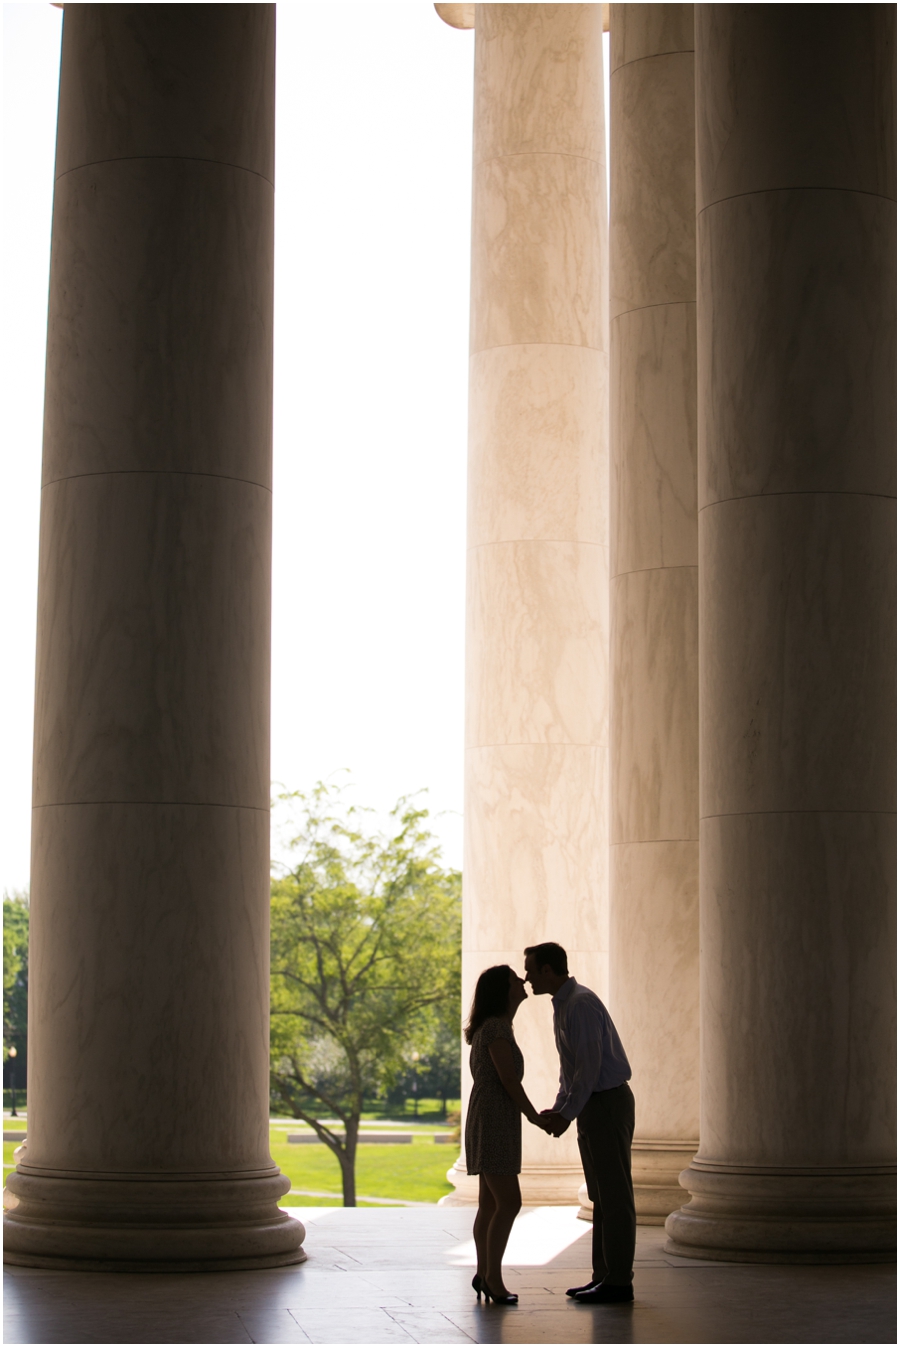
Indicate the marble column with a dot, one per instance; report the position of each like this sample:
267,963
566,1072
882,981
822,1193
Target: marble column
148,1075
536,834
654,924
796,364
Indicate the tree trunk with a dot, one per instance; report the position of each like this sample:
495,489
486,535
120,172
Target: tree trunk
348,1177
347,1158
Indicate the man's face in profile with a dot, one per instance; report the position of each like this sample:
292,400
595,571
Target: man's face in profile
539,979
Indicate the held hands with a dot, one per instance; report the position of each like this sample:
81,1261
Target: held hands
554,1123
548,1121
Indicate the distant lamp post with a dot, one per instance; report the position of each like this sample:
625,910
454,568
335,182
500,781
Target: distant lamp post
12,1080
415,1058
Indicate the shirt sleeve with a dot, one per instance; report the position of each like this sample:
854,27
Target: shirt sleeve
586,1054
562,1093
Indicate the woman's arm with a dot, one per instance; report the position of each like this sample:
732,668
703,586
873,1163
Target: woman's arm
501,1055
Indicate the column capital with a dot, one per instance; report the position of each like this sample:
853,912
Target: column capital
463,16
457,16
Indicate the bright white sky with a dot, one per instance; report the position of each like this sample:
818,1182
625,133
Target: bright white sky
374,132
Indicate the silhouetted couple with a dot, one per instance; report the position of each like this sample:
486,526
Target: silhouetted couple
593,1091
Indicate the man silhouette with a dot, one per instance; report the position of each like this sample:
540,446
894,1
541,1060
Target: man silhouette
593,1088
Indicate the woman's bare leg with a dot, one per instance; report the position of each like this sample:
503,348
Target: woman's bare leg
504,1189
483,1217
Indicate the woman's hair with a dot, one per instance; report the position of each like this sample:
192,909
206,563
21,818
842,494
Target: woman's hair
491,998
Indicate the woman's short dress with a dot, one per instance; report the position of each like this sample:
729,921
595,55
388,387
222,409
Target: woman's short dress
493,1121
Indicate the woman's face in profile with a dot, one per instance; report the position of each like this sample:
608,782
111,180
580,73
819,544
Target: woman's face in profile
517,992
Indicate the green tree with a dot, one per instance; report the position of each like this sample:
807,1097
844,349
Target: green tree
15,974
440,1074
365,957
436,1072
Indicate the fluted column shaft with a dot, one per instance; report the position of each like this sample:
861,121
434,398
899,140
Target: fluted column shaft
148,1101
654,925
796,361
537,600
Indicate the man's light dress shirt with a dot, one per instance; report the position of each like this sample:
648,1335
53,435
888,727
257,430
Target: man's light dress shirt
591,1056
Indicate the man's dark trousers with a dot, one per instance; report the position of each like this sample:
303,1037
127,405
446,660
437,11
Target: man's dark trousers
605,1133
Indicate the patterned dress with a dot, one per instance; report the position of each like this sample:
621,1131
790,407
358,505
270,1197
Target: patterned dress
493,1121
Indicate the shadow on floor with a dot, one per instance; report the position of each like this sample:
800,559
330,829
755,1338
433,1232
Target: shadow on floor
403,1275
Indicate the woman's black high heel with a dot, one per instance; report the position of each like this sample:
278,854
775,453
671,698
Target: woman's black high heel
498,1300
476,1286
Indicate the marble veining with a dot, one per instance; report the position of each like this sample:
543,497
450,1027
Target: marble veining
153,641
159,915
537,273
654,825
769,421
656,947
796,675
796,391
537,605
403,1275
640,31
783,1001
160,322
538,82
536,638
654,711
537,445
162,83
653,421
536,809
148,1027
652,217
782,107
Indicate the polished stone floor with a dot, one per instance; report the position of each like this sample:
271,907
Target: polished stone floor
402,1275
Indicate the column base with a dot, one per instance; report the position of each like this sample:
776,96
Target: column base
746,1214
655,1170
148,1224
656,1167
465,1186
541,1186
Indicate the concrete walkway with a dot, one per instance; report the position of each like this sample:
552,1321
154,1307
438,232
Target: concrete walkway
402,1275
360,1197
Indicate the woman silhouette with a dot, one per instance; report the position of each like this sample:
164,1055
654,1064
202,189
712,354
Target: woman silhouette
494,1123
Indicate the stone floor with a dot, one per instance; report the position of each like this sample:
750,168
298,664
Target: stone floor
402,1275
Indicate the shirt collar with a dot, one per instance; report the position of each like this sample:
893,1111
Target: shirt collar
564,993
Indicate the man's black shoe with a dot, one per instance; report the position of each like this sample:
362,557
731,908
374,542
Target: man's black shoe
605,1295
577,1290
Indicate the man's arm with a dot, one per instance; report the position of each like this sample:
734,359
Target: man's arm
562,1093
551,1118
585,1051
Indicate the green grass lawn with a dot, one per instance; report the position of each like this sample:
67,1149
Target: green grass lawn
429,1111
415,1173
